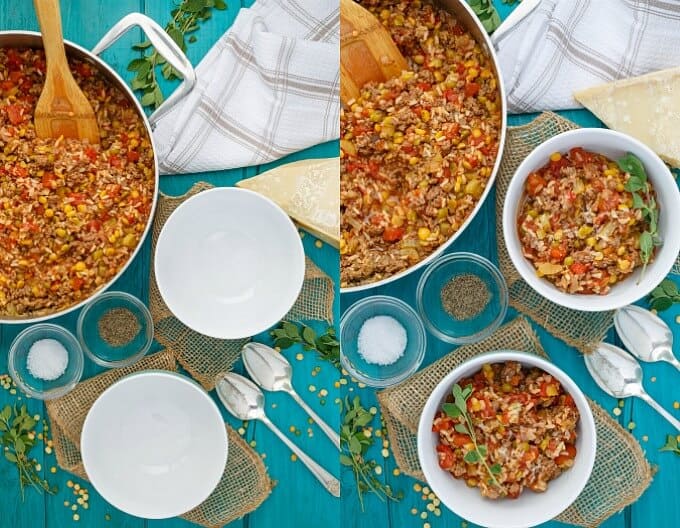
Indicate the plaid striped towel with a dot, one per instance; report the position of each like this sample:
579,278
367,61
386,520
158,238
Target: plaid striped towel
268,87
565,46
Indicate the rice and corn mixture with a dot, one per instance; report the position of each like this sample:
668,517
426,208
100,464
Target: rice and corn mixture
417,151
71,213
577,224
527,422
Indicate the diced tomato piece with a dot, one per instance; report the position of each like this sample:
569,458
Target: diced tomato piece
6,86
571,450
460,68
77,198
77,283
578,268
548,390
535,182
132,156
558,252
15,113
460,440
446,456
425,87
16,77
39,64
14,60
442,424
446,172
49,180
91,153
471,89
393,234
20,172
458,30
84,70
114,160
94,225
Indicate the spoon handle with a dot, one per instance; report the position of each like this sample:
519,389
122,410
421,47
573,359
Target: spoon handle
663,412
675,362
329,432
329,482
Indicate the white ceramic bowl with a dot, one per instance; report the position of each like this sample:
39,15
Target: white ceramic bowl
154,445
614,145
530,508
229,263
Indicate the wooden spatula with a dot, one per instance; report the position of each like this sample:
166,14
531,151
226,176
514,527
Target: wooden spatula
367,51
63,109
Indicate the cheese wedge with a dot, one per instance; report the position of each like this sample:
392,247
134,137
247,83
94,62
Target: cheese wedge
645,107
308,190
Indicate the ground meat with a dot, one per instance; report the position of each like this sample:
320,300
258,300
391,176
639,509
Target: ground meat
71,213
417,151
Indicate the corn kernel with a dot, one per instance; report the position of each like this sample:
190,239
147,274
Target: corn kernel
413,160
590,241
424,233
42,200
568,261
555,156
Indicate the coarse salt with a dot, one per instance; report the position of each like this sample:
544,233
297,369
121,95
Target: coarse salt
47,359
382,340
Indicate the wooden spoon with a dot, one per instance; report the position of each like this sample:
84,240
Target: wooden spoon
63,109
367,51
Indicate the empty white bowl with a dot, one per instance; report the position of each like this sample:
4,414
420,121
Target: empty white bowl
614,145
154,445
530,508
229,263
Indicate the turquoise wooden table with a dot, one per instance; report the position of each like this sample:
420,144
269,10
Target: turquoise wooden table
297,500
657,507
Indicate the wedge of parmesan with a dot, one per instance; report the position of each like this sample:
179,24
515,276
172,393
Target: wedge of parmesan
308,190
645,107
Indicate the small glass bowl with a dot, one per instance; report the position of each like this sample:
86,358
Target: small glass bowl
443,325
111,354
36,387
381,375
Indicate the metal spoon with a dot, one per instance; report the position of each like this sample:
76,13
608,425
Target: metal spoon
620,375
645,335
245,401
272,371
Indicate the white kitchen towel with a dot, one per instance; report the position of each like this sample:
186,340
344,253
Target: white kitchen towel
270,86
567,45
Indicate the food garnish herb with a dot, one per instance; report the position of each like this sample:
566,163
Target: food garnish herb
486,13
643,200
664,295
185,21
326,345
354,444
671,445
458,410
17,437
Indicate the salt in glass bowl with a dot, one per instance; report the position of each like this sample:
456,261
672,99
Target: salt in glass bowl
18,367
370,373
103,352
442,324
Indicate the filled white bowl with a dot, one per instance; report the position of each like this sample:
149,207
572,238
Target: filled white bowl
154,445
614,145
530,508
229,263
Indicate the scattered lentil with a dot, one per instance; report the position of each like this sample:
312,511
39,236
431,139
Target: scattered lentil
118,327
465,296
617,411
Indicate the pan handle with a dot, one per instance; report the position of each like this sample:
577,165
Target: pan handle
165,46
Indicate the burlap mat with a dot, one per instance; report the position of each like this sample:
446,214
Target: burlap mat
620,475
244,485
205,357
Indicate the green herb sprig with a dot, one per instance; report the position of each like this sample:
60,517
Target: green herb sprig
487,14
671,445
325,345
354,444
17,438
664,295
185,21
643,199
458,410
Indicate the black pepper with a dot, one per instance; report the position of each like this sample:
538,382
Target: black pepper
465,296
